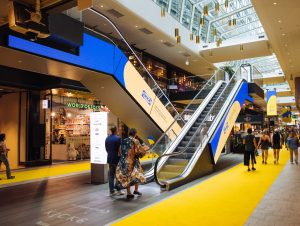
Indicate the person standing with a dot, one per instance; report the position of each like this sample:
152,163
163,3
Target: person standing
129,171
3,156
292,144
250,146
276,144
264,144
112,146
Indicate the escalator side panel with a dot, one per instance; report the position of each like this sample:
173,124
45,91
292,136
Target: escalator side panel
103,57
222,132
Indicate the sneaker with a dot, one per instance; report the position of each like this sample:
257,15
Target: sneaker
263,162
274,162
112,193
118,193
137,193
130,196
253,168
249,169
11,177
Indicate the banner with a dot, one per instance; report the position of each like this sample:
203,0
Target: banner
271,103
98,134
286,114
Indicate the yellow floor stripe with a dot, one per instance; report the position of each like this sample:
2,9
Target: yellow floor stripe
54,170
38,173
225,199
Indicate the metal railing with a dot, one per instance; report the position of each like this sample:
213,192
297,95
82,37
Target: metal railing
127,49
165,141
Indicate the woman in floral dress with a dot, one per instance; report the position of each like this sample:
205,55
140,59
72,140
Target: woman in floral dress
129,171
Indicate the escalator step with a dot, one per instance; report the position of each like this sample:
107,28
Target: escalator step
175,161
172,168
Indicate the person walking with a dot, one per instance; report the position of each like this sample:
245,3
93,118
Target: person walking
250,146
276,144
292,144
129,171
264,144
112,146
3,156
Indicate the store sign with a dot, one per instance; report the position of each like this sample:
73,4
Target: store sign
286,114
98,133
271,103
46,104
82,106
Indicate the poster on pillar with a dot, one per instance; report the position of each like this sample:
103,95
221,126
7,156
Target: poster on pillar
271,103
98,134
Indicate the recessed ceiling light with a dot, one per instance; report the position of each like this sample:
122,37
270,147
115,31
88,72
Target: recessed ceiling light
274,3
136,26
161,40
279,21
20,61
283,34
101,6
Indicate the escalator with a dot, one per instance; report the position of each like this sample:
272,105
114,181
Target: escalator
196,151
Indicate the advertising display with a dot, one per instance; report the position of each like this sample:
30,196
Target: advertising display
98,134
271,103
219,138
286,114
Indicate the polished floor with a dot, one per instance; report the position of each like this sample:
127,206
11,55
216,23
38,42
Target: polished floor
72,200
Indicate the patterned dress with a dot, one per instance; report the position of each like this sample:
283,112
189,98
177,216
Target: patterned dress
129,170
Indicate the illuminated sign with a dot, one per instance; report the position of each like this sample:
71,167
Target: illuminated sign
271,103
147,98
82,106
98,134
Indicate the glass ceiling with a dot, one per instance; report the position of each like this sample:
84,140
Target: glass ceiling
225,19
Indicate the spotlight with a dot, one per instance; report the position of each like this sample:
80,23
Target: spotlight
187,62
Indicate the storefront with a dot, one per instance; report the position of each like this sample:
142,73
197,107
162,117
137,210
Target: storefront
67,121
48,126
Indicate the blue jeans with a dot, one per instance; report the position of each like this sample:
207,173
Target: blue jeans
4,159
112,177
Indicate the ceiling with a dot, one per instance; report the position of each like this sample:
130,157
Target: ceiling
282,26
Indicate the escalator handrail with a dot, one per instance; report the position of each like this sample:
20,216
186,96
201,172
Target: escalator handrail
136,56
187,145
181,114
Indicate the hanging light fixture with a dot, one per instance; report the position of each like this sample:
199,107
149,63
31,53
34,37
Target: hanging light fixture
197,39
234,22
176,32
241,48
202,21
191,36
219,42
215,32
205,10
178,39
226,4
162,12
229,22
217,7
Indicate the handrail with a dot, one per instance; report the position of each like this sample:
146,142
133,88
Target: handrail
191,139
181,114
136,56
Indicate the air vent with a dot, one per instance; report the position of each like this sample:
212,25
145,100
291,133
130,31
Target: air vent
168,44
115,13
186,55
205,46
261,36
146,31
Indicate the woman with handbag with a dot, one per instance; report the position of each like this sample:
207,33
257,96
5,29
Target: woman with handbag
129,171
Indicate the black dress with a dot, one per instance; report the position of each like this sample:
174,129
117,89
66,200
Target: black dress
276,141
249,150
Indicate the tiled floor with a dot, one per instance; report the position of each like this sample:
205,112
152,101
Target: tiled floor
281,205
